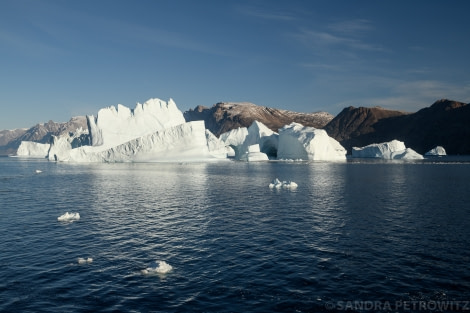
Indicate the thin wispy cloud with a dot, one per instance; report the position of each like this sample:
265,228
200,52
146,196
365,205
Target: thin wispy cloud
314,38
322,66
25,45
352,27
266,14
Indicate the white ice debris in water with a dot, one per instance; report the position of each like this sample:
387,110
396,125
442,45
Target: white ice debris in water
276,183
157,267
69,217
83,260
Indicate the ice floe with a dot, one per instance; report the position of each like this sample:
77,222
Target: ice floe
157,267
276,183
84,261
69,217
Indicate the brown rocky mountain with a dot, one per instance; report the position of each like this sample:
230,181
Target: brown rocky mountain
225,116
39,133
445,123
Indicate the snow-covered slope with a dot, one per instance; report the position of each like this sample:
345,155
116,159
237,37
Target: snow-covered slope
308,143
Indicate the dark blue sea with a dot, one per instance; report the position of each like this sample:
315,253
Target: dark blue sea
356,236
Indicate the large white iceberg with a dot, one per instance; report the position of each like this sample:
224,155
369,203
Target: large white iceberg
243,139
392,150
152,132
33,149
308,143
112,127
437,151
185,142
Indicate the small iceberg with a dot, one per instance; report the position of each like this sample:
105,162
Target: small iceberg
437,151
69,217
276,183
157,267
84,261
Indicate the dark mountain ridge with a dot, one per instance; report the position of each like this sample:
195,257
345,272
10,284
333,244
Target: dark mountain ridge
445,123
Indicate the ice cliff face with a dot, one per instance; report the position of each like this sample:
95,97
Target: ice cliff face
391,150
307,143
152,132
33,149
241,139
113,126
184,142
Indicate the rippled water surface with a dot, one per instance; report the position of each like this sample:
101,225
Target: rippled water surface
378,231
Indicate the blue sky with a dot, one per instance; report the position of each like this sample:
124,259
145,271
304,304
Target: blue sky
64,58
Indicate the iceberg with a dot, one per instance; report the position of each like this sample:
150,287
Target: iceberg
157,267
152,132
266,139
33,149
407,154
60,144
242,139
392,150
113,126
69,217
299,142
437,151
234,140
216,147
254,154
185,142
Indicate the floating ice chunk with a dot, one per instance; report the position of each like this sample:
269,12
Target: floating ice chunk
437,151
289,185
276,183
157,267
84,261
38,171
69,217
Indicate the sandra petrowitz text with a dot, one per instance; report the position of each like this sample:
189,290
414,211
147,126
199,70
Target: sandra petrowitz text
412,305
